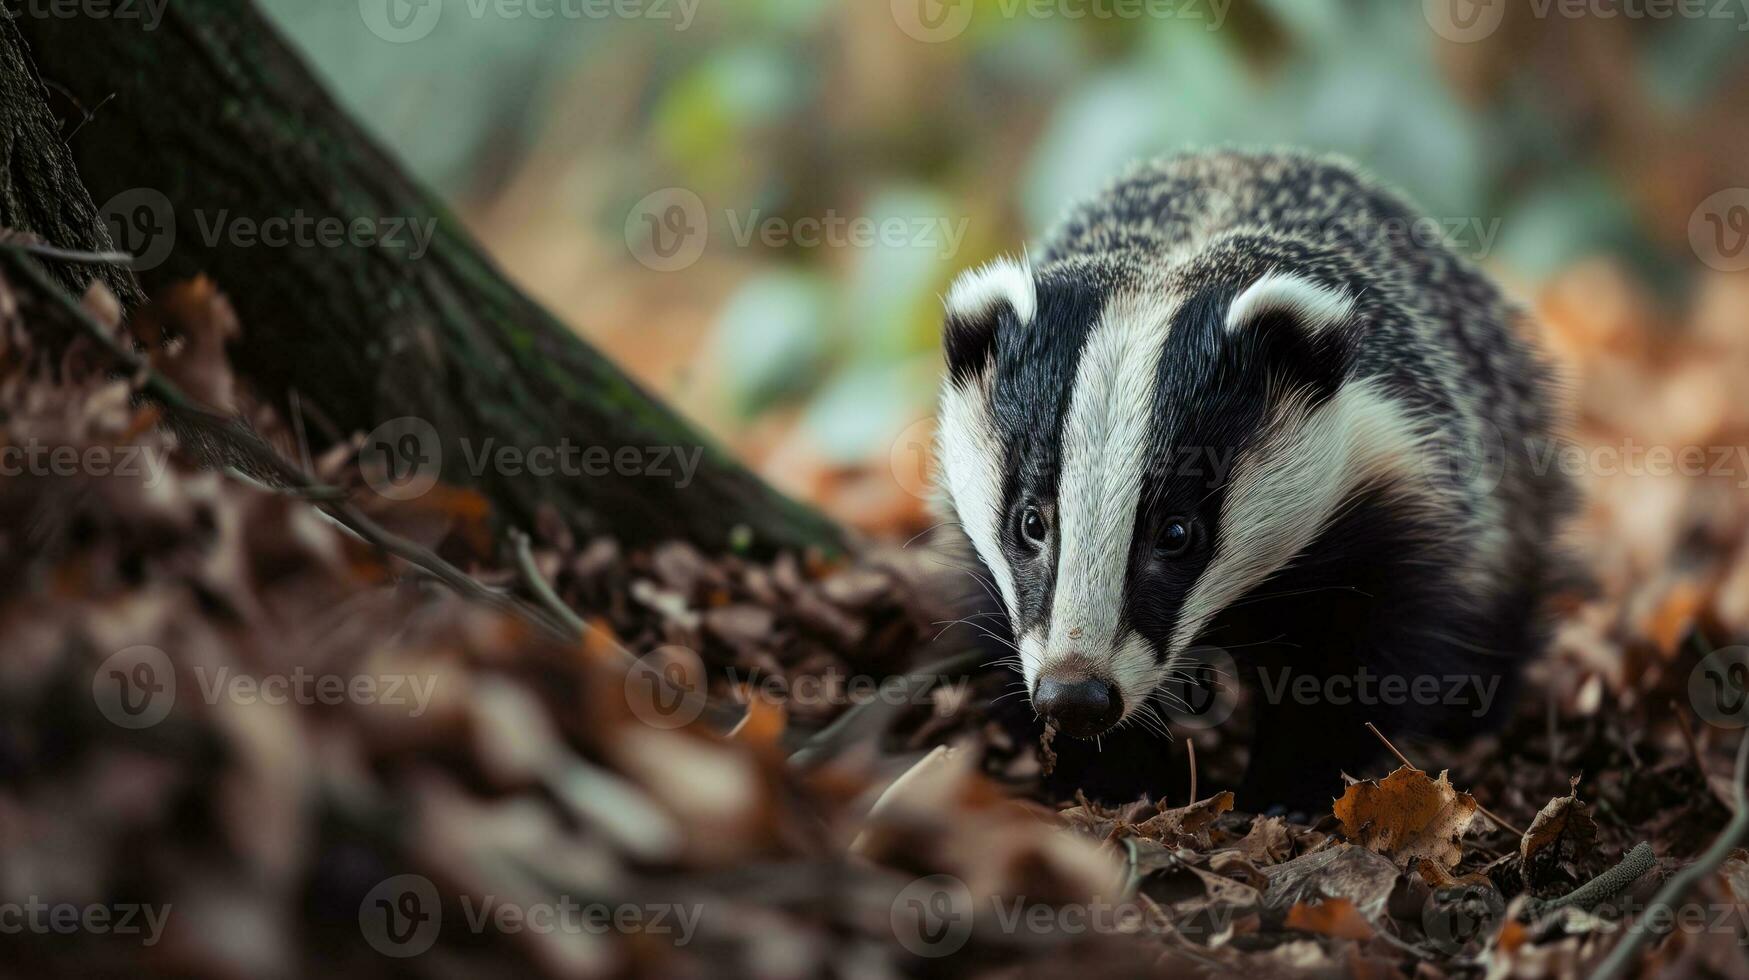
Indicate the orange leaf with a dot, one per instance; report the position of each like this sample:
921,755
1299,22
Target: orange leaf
1332,917
1407,817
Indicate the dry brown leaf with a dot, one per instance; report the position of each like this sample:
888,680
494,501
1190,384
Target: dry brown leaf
1561,829
1187,824
1407,816
1332,917
1340,871
1267,842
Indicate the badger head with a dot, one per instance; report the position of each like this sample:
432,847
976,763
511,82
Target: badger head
1129,458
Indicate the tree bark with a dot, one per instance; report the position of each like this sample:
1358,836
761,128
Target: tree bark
211,126
40,192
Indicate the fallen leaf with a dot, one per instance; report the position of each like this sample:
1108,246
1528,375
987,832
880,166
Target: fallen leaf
1332,917
1407,816
1340,871
1561,829
1267,842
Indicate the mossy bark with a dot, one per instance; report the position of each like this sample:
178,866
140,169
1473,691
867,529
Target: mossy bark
213,111
40,192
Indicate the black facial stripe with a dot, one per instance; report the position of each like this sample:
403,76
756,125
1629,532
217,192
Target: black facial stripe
1034,379
1213,399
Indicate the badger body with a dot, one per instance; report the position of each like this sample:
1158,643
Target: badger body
1238,402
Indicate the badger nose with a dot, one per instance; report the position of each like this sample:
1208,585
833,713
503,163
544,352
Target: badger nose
1079,704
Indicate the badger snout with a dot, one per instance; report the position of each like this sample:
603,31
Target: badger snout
1079,702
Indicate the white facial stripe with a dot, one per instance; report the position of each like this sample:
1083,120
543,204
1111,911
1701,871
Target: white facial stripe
1319,307
1288,486
969,459
1104,457
1004,280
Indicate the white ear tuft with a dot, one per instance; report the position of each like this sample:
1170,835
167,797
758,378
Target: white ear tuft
977,291
1318,307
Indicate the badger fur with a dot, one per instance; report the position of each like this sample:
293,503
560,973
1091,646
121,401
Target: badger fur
1234,402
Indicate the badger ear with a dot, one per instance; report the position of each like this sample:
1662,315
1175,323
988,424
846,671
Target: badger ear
1297,327
975,306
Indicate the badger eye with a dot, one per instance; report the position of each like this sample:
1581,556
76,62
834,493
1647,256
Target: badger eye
1032,526
1175,539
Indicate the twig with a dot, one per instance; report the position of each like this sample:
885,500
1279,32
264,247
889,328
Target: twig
25,242
537,583
1190,749
1640,933
721,716
1484,811
1132,862
1688,736
875,713
1589,895
252,446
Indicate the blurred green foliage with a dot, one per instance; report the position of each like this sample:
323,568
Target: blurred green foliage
796,109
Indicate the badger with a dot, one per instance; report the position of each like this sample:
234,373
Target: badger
1239,402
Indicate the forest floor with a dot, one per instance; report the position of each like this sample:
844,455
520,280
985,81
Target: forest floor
296,744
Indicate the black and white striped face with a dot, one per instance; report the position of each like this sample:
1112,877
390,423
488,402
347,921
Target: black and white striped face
1130,461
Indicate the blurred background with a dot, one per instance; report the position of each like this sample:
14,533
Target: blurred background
822,169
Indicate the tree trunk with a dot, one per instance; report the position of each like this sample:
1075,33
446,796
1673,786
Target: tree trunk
40,192
211,127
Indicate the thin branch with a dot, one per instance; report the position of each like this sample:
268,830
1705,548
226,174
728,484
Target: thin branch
16,240
1627,952
1190,749
1688,737
1612,882
876,713
250,444
537,583
1491,815
721,716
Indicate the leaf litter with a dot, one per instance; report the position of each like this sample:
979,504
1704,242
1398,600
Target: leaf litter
512,773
